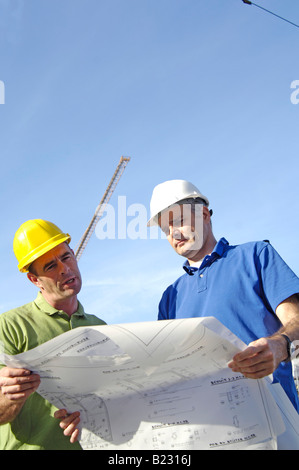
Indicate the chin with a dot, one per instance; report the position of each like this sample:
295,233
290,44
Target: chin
185,249
190,254
71,291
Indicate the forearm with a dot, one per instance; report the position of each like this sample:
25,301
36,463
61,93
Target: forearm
9,410
264,355
288,313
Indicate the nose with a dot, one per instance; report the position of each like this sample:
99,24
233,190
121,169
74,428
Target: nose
174,232
63,267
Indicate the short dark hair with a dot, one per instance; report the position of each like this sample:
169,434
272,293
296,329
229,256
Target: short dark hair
31,269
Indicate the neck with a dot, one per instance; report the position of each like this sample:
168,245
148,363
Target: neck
69,305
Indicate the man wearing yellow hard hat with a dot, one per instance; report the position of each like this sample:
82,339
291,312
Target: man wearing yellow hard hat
27,421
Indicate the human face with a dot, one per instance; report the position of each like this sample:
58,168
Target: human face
183,225
57,275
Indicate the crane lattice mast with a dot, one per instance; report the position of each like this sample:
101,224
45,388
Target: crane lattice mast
101,207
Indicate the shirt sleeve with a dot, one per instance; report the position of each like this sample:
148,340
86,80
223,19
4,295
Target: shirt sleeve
4,342
278,280
167,305
9,337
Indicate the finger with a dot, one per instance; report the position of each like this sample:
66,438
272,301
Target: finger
250,362
70,426
15,389
252,365
68,419
12,376
16,397
60,414
250,351
19,380
258,374
20,387
12,372
259,370
74,436
18,392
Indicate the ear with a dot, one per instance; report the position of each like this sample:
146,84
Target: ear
32,278
206,214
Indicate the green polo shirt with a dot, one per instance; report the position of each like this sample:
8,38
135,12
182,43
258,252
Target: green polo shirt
21,329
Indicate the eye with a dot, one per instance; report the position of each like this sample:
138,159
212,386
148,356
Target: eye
66,257
50,267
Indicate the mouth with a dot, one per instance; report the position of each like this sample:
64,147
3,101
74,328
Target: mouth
69,281
181,242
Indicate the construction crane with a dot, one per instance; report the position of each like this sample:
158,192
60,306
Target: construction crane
101,207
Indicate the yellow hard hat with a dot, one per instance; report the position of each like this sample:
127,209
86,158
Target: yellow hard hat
34,238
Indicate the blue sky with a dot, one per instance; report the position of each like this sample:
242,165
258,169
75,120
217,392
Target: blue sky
191,89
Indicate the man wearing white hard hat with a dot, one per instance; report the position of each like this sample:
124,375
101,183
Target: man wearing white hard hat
28,421
248,287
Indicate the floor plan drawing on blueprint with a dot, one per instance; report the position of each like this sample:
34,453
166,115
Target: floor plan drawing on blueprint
155,385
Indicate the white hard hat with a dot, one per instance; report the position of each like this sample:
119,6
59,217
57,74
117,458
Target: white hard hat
171,192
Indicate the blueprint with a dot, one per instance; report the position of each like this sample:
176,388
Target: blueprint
155,385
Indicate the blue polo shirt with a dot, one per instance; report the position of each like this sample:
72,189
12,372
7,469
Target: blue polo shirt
241,286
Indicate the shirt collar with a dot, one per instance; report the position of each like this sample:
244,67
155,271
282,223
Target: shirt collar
219,250
43,305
